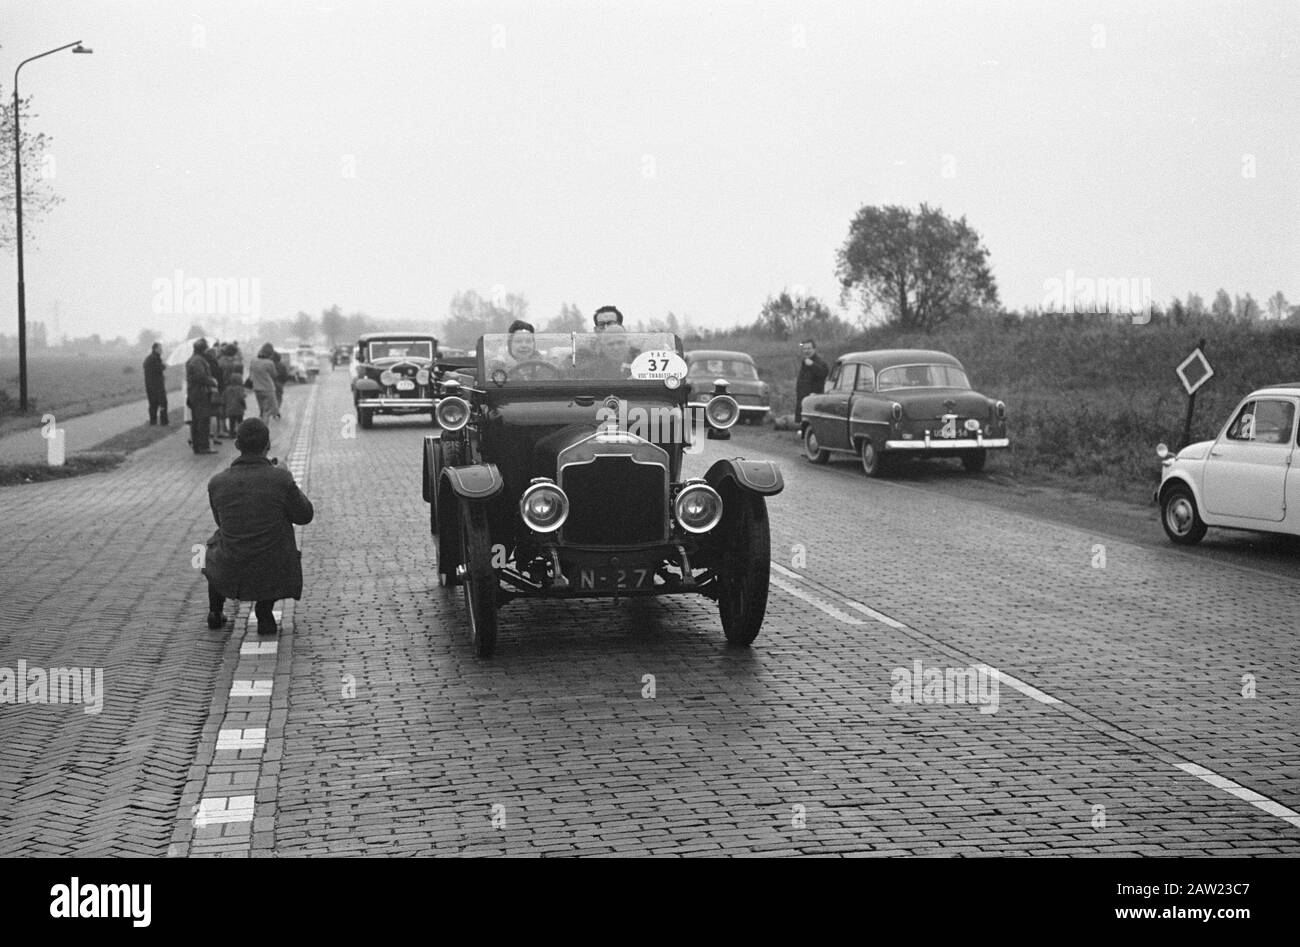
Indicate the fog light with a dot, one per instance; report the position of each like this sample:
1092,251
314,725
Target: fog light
422,376
698,508
721,412
452,413
972,425
544,507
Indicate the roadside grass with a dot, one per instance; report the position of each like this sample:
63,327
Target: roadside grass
104,456
1087,400
68,385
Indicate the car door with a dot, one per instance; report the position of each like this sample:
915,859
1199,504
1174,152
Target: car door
816,414
1247,469
836,408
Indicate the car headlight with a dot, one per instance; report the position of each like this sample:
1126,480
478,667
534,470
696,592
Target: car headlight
544,506
1001,409
698,508
387,378
422,376
452,413
721,412
896,410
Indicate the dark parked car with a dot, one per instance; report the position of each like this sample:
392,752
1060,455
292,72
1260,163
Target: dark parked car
703,366
394,373
892,403
560,476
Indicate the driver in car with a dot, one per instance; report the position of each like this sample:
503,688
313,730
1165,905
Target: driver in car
608,358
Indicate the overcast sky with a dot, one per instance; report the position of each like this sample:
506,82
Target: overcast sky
693,157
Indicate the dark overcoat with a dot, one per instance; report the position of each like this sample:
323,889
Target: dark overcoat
253,555
811,380
154,382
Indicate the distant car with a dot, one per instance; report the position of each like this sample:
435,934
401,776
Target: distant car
306,357
1246,478
891,403
704,366
342,355
395,373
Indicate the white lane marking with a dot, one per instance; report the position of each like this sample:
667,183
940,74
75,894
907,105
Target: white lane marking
218,809
251,688
1241,792
1027,689
276,613
258,647
828,609
252,738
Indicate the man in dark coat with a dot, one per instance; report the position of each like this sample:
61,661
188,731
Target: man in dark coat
812,376
253,555
199,386
155,386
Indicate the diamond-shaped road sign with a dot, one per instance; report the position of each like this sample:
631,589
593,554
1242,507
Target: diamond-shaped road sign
1194,371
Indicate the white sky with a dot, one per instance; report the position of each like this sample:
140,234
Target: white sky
693,156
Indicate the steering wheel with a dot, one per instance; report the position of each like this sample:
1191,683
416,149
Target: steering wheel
535,363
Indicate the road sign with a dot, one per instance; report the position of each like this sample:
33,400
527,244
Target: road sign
1194,371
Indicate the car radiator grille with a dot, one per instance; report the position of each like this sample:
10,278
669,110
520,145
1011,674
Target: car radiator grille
614,501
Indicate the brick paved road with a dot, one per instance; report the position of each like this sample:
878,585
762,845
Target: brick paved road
398,740
96,572
1120,727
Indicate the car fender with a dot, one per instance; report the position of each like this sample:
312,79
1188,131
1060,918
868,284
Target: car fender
365,383
474,481
1186,478
432,443
755,476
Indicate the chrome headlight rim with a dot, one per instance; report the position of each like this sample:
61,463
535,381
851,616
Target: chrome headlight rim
452,403
689,489
539,485
422,376
1000,409
723,401
388,378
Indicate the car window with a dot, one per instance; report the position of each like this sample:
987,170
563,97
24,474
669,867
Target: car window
845,382
399,348
722,368
834,379
866,378
921,376
1266,421
558,357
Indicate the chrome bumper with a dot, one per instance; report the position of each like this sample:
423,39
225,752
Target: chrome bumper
949,443
416,404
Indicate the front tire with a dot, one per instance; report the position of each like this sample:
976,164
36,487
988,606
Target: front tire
366,417
1179,517
479,578
745,572
812,449
974,460
873,462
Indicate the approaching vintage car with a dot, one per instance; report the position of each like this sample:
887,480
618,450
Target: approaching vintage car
394,373
1246,478
560,476
753,396
307,359
884,404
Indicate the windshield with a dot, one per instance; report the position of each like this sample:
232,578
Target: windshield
731,368
526,357
401,348
921,376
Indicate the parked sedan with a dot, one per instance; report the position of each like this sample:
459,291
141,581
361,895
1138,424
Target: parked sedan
891,403
1246,478
705,366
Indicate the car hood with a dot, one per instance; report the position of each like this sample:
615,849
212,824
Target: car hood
1198,451
740,386
936,402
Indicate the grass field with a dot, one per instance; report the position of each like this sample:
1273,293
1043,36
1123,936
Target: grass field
1087,401
69,385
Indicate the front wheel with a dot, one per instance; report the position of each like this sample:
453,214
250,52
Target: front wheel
479,578
366,417
1178,515
812,449
873,462
746,565
974,460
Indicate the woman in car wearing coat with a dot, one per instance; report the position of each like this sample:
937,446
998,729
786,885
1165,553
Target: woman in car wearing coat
253,555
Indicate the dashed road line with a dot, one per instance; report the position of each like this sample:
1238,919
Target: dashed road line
1259,801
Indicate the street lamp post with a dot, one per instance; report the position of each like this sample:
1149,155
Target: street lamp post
18,207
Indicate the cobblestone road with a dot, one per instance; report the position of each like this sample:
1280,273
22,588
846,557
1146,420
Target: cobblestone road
1120,724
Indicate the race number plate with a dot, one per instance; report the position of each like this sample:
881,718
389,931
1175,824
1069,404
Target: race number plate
606,578
406,385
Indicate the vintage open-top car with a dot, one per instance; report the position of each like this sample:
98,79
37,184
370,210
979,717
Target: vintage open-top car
892,403
560,475
395,373
752,394
1246,478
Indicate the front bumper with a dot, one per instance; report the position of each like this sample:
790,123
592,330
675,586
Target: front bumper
391,404
950,443
744,408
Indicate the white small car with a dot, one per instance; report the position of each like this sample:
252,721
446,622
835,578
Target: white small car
1246,478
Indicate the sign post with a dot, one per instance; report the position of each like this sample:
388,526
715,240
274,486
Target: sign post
1194,371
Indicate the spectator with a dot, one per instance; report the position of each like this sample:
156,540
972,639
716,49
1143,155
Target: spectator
262,374
281,376
812,378
155,386
232,390
253,555
199,386
211,353
606,316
